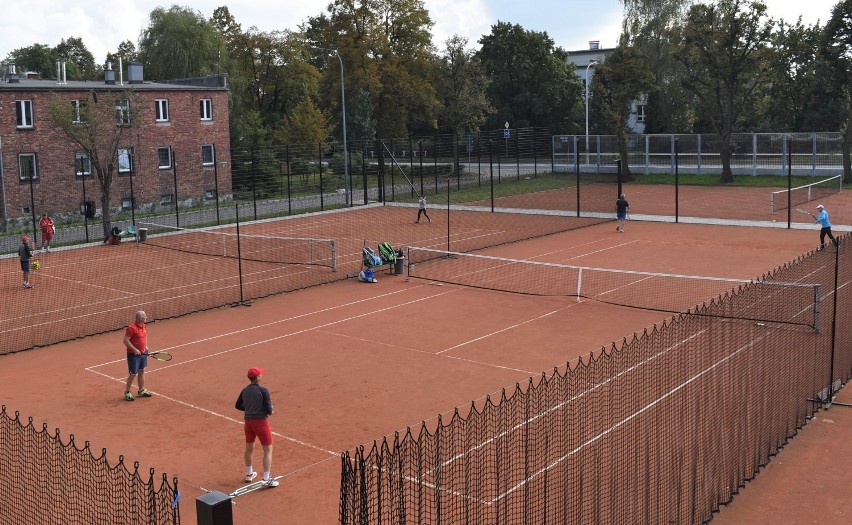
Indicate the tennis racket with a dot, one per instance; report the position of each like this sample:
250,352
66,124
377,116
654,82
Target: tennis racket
161,355
806,212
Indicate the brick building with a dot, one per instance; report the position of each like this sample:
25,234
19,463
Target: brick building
176,151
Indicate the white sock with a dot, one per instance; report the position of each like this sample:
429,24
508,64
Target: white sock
249,470
266,476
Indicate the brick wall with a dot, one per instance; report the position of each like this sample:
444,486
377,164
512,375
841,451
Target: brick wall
59,191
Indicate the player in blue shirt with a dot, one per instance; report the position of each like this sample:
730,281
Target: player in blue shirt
822,219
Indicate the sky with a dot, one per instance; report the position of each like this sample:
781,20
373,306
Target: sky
104,25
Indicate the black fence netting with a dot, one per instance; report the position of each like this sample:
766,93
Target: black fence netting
43,480
662,428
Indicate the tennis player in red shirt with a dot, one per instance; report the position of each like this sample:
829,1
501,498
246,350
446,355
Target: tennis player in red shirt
136,343
47,229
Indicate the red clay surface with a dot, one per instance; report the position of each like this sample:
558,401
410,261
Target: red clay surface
349,362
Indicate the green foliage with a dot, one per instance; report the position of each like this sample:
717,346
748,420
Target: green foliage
74,51
179,43
37,57
721,49
462,85
306,123
96,135
531,83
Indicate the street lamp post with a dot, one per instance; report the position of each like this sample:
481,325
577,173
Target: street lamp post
343,118
592,62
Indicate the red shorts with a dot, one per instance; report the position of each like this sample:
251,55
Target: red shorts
260,429
46,236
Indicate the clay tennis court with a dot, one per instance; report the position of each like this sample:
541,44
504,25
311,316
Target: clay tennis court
348,362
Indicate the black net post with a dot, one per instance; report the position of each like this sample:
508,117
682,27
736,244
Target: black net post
790,183
577,170
677,179
174,177
214,508
491,165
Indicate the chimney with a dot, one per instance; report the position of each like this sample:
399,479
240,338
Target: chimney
64,76
109,75
13,77
58,72
594,45
134,72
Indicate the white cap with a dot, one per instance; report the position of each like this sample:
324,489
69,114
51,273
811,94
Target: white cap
820,206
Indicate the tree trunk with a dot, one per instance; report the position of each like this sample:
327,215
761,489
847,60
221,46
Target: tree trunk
847,146
725,157
106,186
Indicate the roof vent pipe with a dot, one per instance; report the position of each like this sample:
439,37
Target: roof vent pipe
109,74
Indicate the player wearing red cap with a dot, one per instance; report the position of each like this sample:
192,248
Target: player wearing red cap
25,253
256,402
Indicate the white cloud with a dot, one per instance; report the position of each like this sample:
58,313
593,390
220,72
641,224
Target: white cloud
104,25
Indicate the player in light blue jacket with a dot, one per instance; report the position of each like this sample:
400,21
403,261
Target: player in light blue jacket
822,219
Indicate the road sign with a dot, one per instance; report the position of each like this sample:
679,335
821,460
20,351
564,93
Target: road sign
506,133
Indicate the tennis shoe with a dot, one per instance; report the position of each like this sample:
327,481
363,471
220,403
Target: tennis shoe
128,396
250,477
145,393
270,483
27,286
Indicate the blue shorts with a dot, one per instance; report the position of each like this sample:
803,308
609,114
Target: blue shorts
135,363
621,216
25,265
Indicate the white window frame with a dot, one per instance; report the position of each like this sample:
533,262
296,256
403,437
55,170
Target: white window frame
162,109
160,164
82,164
77,106
29,160
640,113
211,156
125,160
122,112
205,106
24,114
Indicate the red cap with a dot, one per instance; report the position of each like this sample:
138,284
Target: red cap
255,371
25,238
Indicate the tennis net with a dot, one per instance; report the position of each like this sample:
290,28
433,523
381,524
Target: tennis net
806,193
756,300
224,241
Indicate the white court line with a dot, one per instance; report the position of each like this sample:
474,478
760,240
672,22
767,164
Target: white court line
512,327
228,418
213,413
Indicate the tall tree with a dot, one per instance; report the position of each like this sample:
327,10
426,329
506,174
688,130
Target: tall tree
126,51
386,49
531,81
74,50
37,57
653,27
622,79
837,45
791,65
721,49
95,130
462,85
179,43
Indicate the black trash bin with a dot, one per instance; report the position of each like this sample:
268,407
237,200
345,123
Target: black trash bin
143,234
399,265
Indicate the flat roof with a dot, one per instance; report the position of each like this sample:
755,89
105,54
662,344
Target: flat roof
27,84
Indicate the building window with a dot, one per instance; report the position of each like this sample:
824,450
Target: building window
82,164
78,111
125,160
162,110
164,157
206,108
127,203
27,166
24,113
122,113
640,113
208,155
